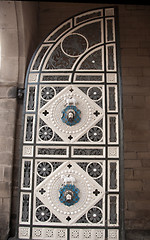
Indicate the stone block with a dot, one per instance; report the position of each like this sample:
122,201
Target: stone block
7,105
8,15
135,90
9,65
133,163
6,144
139,101
130,155
134,195
12,92
145,44
8,174
146,163
6,204
3,92
130,81
146,71
146,185
128,173
143,173
128,101
137,235
9,42
136,61
133,185
139,205
143,155
5,190
143,51
129,51
135,146
1,173
8,129
147,101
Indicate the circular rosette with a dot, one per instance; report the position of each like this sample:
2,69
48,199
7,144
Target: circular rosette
69,195
43,214
94,215
71,115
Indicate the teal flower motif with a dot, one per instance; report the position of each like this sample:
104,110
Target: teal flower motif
69,195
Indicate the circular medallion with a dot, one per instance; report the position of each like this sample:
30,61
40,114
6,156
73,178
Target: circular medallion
47,93
94,215
43,214
94,170
74,45
95,93
45,133
44,169
95,134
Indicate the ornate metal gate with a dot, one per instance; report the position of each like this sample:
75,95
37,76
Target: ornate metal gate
71,155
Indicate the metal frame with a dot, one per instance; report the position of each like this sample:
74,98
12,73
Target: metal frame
121,201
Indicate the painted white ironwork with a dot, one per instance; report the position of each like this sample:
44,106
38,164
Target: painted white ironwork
71,144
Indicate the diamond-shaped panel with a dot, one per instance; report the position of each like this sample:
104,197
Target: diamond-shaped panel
90,192
91,113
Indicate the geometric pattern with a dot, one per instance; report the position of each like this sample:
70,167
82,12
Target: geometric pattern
71,165
85,104
53,183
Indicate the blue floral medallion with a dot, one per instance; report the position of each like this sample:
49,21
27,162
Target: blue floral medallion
69,195
71,115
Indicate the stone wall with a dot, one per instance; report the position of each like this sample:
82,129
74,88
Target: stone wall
8,82
18,26
23,25
135,60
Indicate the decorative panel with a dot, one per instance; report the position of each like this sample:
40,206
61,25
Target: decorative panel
72,143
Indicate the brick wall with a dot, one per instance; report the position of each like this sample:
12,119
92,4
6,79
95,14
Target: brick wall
135,60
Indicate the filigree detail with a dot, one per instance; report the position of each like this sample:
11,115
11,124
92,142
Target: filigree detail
45,133
95,134
74,45
44,169
94,215
47,93
94,170
71,123
43,214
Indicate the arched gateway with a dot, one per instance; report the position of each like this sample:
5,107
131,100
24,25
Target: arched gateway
71,170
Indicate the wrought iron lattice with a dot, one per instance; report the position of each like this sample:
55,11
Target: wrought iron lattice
72,149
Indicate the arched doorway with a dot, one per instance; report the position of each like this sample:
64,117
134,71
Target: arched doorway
71,174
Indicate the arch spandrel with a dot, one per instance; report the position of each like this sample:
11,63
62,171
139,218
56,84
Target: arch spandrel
71,146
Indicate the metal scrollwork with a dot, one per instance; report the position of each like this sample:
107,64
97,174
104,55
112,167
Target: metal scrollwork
44,169
47,93
94,170
45,133
95,134
43,214
94,215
